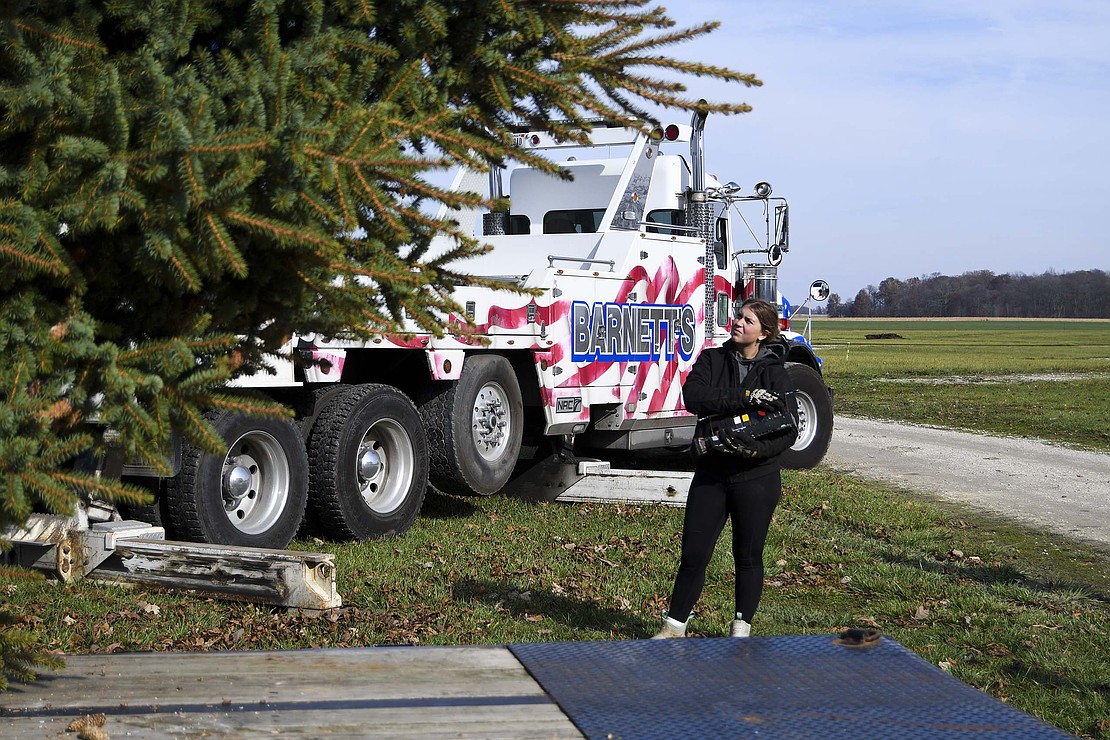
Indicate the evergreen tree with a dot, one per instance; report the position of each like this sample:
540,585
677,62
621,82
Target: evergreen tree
183,184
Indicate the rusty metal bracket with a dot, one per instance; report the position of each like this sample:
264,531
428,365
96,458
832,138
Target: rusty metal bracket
301,580
135,552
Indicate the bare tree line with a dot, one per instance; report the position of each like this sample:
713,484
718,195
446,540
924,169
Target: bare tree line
1084,294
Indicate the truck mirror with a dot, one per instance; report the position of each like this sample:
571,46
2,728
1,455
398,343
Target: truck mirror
819,291
774,255
782,227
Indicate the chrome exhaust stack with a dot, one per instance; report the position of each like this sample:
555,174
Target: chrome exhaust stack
699,214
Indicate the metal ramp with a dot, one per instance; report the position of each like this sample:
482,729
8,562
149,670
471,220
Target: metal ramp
766,687
598,482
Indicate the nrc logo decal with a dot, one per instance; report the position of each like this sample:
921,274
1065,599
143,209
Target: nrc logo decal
631,331
568,405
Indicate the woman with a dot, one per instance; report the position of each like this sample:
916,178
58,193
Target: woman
740,476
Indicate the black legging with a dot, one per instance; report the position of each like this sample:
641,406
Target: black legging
711,500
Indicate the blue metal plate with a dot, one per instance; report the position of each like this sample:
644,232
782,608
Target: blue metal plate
767,687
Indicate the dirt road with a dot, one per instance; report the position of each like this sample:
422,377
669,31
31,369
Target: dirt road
1049,487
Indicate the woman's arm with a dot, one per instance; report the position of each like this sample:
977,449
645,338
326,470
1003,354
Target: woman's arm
748,446
703,397
779,381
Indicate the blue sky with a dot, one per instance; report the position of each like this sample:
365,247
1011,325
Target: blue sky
916,137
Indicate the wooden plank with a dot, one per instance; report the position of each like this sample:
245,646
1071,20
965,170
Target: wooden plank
524,723
383,692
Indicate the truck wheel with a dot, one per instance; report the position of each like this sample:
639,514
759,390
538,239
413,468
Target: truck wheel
474,427
815,418
368,461
254,495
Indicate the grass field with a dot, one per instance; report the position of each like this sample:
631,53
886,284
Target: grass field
1036,379
1022,615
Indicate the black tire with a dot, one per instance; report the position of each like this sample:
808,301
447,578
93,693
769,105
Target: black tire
153,513
474,427
368,461
253,496
815,418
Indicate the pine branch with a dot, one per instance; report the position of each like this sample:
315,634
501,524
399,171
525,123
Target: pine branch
22,655
226,246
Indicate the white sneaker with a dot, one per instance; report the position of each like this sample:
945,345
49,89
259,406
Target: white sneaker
670,628
740,628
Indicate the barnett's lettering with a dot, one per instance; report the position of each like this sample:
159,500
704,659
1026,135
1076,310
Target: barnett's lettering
624,332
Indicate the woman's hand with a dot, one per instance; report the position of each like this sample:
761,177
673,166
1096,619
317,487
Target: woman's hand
745,445
761,398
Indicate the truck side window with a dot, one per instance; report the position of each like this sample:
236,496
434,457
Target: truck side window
669,216
579,221
519,225
721,231
724,310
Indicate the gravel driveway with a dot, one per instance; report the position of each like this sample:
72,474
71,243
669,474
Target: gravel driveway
1050,487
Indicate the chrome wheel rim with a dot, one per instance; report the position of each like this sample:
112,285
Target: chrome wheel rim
807,421
255,482
384,466
491,421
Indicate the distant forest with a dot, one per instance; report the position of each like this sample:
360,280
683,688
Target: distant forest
1071,295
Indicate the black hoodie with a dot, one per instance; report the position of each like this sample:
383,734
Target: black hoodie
714,387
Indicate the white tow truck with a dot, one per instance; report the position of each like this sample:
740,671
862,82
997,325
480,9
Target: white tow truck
635,267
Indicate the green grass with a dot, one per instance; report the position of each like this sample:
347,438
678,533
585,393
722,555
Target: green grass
1036,379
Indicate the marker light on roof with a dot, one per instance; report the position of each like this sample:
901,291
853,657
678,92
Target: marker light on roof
671,133
535,140
656,134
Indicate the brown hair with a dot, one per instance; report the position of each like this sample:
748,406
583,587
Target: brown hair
768,317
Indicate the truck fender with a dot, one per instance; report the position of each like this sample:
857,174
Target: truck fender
445,364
